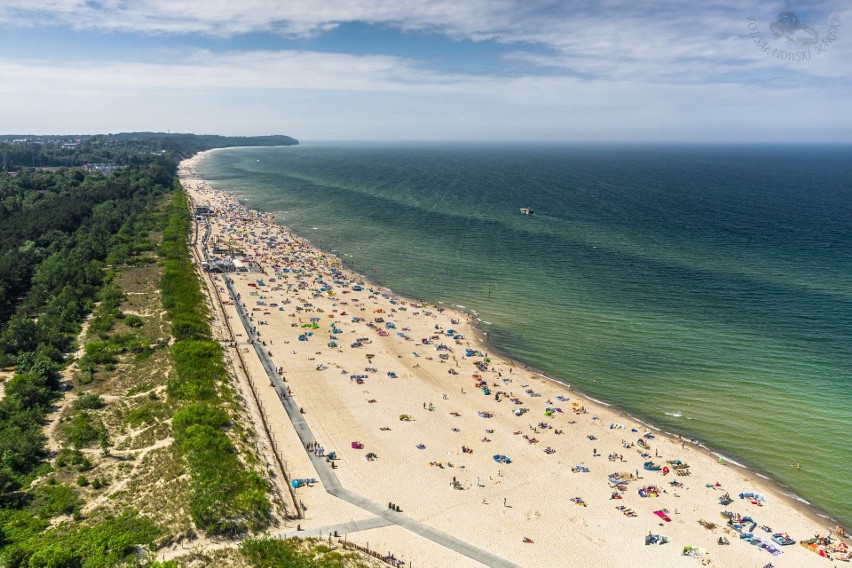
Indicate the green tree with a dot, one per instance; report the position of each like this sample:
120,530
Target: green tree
21,335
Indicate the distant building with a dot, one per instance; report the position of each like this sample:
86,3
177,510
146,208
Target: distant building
223,265
105,169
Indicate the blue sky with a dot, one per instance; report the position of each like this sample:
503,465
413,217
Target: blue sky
611,70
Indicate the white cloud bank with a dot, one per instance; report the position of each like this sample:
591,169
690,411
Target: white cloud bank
612,70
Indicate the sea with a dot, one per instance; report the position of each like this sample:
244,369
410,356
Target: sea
703,289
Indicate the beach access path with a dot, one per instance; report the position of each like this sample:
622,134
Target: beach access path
329,479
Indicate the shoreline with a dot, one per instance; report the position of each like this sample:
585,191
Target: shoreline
596,406
782,490
817,514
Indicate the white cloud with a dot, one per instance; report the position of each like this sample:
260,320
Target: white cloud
333,96
614,39
225,18
614,69
293,70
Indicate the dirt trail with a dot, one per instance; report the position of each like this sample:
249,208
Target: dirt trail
3,378
138,458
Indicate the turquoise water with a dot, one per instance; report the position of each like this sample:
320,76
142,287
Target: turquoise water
707,290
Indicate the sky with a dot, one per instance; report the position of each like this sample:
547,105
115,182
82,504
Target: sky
536,70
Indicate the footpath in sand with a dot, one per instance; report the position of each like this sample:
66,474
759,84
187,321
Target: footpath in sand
485,463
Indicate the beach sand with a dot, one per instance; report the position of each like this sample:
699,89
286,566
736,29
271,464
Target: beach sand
395,357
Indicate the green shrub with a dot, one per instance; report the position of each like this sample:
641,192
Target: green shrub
29,390
83,430
22,443
225,496
67,457
100,353
111,298
198,368
105,352
102,325
54,556
179,290
189,326
87,373
129,342
198,414
111,542
50,500
143,355
88,401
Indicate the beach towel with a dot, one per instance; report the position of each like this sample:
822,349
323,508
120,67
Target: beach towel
663,516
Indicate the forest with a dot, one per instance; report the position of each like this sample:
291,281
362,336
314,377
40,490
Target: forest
128,148
66,236
61,233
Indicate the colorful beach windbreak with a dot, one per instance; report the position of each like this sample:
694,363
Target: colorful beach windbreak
704,289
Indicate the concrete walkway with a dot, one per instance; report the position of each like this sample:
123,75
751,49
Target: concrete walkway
329,478
342,528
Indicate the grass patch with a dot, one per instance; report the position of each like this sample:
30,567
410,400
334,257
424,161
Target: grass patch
226,497
297,553
51,500
111,542
148,411
198,369
158,488
105,353
179,290
138,389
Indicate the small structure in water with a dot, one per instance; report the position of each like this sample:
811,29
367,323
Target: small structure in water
526,211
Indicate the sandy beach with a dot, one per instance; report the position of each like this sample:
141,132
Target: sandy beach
419,414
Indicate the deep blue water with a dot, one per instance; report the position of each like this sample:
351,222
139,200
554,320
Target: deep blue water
710,281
